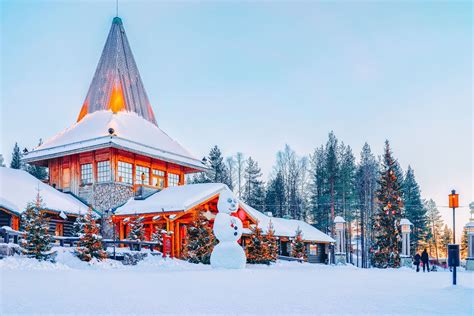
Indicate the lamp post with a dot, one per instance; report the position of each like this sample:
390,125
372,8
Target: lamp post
340,254
406,230
453,250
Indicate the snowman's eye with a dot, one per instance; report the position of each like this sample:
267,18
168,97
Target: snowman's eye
229,200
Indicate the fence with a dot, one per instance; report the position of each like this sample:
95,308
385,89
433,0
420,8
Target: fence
9,235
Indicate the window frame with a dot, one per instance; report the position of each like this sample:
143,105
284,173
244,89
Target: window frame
101,170
125,171
87,174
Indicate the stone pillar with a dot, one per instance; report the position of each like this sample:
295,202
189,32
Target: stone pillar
405,256
470,240
340,251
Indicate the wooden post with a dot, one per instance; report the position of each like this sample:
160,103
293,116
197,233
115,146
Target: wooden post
171,224
177,241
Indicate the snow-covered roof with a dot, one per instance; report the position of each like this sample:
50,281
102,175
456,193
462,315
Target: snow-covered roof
185,197
131,132
177,198
287,227
18,188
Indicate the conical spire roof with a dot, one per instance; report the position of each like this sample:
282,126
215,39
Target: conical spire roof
117,84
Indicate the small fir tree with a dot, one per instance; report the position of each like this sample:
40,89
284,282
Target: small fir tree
78,226
272,243
446,238
137,231
37,242
16,158
200,241
388,215
90,242
257,248
157,235
297,245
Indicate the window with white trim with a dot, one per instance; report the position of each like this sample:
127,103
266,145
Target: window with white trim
125,172
86,173
173,179
142,175
103,171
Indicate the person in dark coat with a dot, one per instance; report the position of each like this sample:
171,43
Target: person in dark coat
417,262
426,260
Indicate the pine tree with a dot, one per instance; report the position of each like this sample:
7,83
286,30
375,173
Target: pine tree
388,215
318,198
37,171
446,238
436,225
90,242
415,211
331,167
78,226
254,194
272,244
2,161
298,249
275,199
200,240
257,247
346,193
366,182
137,231
16,158
37,242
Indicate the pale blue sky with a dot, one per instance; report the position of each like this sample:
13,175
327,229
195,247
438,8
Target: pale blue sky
253,76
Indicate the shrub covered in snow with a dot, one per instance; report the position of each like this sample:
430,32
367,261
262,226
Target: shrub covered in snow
132,258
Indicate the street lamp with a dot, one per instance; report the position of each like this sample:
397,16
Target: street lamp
453,250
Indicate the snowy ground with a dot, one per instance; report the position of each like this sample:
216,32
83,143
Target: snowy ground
157,286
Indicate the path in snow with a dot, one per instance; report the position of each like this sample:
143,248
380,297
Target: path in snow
156,286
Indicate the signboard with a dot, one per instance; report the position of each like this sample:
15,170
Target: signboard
453,255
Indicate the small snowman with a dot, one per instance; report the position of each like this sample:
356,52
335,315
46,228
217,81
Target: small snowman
227,229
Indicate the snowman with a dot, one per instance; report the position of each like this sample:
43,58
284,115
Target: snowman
227,229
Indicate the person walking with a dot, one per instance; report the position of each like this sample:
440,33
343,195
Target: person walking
417,262
426,260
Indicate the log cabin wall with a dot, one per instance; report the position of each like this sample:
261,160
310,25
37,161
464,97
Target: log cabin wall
104,190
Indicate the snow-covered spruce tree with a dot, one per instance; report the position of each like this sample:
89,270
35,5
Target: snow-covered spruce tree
16,158
157,236
90,242
298,249
2,161
272,243
200,240
275,197
415,211
253,194
388,215
257,247
37,171
137,231
37,242
78,226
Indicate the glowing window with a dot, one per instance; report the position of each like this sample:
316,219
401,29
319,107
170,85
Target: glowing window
124,172
103,171
158,178
86,173
142,175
